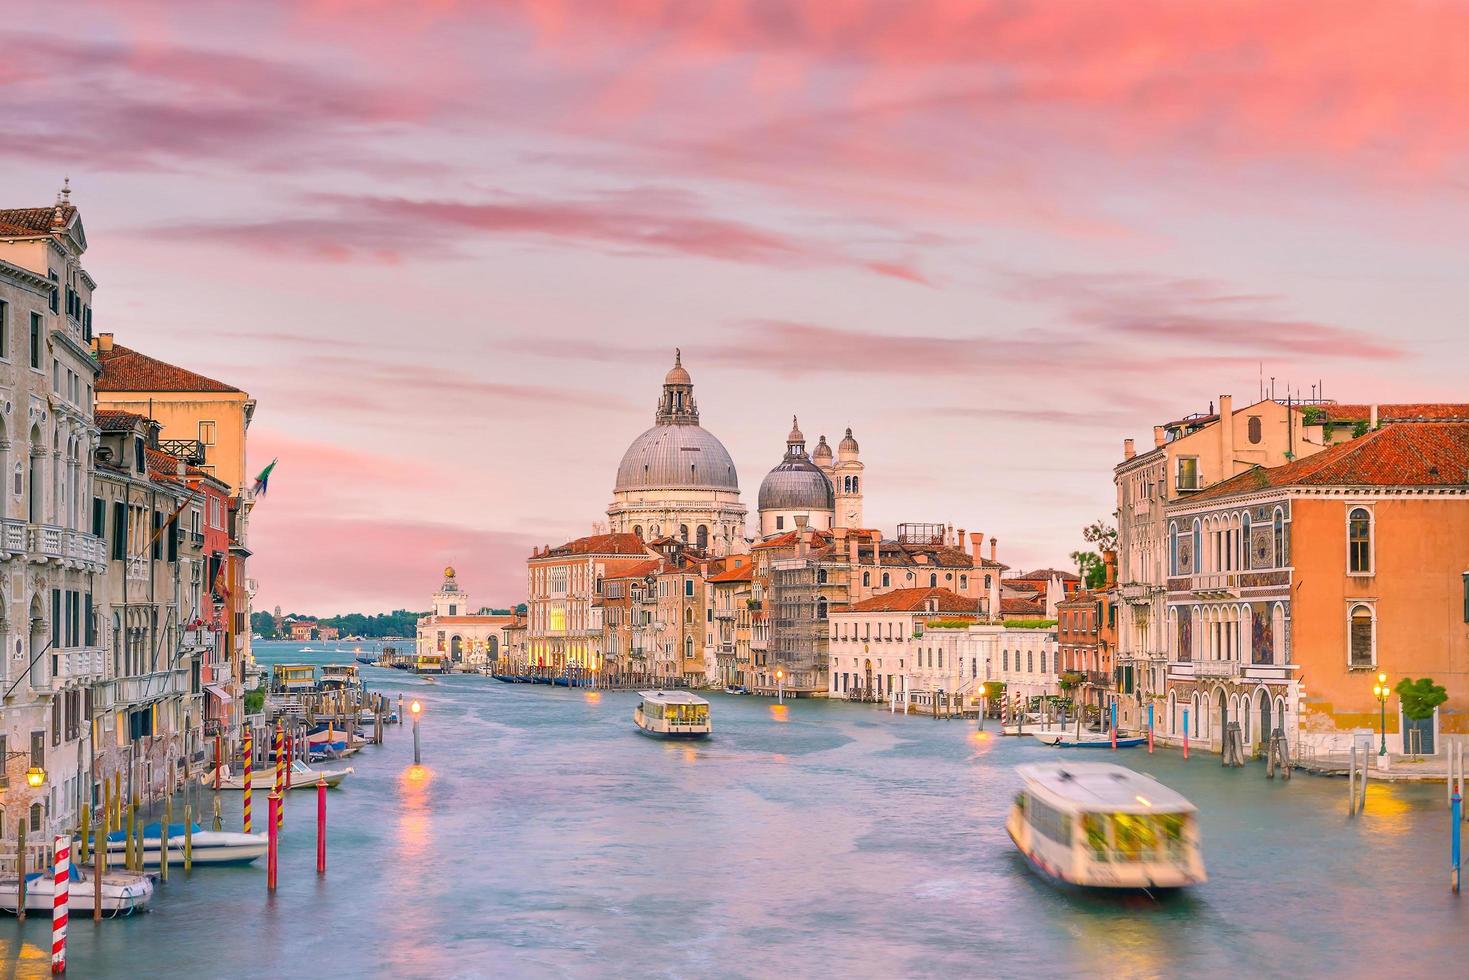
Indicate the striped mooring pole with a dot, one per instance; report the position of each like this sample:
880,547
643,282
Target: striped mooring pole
1456,866
249,775
1114,726
1150,728
59,902
1185,733
278,814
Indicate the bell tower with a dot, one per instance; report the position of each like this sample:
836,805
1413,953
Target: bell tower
846,480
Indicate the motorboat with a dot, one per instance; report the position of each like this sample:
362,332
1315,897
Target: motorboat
123,892
1072,739
735,689
336,677
1030,724
263,780
205,846
672,714
1098,825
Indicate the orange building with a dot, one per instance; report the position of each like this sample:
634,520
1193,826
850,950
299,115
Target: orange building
1291,588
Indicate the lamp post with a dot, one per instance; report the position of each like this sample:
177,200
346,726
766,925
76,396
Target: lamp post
35,777
780,676
416,709
1380,690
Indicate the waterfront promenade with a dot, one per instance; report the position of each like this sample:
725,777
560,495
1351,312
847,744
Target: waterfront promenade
544,837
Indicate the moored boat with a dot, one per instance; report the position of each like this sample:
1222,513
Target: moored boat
205,847
1070,739
672,714
123,892
263,780
1098,825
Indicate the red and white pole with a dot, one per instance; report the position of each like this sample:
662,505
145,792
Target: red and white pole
59,902
278,814
272,849
321,828
249,775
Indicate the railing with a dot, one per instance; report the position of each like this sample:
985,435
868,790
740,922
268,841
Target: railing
13,537
188,450
44,539
86,548
87,664
157,684
1215,582
1216,668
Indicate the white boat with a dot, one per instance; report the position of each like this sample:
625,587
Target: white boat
207,846
123,892
262,780
672,714
1071,739
1096,825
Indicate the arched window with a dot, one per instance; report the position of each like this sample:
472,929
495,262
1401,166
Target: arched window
1359,541
1253,429
683,532
638,530
656,532
963,581
866,580
1362,642
688,648
35,818
1278,533
933,580
1198,548
821,576
703,536
1005,659
988,581
821,608
688,615
1245,540
1030,661
885,580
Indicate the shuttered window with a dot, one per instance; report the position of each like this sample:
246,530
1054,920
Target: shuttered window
119,530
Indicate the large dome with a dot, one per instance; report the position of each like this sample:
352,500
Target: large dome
676,457
796,484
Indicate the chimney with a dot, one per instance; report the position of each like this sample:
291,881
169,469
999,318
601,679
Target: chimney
993,543
1109,565
1372,418
961,539
876,548
1129,449
853,558
104,343
975,544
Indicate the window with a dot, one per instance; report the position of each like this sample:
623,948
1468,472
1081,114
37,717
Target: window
99,516
55,294
1465,578
963,581
703,536
884,580
688,587
1030,662
1278,531
821,608
867,582
1188,473
1359,541
933,580
1254,430
780,523
36,341
207,433
4,329
1172,549
1363,640
1245,538
119,530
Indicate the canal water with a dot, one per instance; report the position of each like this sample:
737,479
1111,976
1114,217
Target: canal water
544,837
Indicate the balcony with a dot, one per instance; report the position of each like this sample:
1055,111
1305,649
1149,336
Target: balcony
149,687
1215,584
44,541
1224,669
1138,593
188,450
12,537
82,666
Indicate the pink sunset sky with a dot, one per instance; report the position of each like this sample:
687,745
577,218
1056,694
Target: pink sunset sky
450,246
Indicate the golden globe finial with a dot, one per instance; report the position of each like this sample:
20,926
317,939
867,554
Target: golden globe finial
449,571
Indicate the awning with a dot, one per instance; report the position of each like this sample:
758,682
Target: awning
224,696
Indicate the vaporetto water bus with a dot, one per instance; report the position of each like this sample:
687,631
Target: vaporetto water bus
1097,825
672,714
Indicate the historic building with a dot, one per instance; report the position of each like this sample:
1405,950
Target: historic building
797,487
457,631
677,479
1188,456
730,594
1290,588
845,474
563,586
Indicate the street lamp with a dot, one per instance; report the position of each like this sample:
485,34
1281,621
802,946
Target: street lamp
1380,691
780,686
35,777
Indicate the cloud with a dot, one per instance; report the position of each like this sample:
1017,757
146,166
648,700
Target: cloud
622,223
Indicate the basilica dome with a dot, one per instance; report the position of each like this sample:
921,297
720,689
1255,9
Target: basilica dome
796,483
676,456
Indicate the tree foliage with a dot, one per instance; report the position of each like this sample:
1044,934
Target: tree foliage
264,624
1420,697
1089,567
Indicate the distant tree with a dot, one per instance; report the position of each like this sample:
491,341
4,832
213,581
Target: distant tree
1101,534
1089,567
1420,697
264,624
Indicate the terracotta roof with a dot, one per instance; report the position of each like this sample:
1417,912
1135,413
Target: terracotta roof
1046,574
1420,411
639,570
818,537
913,600
1404,454
115,420
745,573
33,221
1017,605
599,544
164,465
127,370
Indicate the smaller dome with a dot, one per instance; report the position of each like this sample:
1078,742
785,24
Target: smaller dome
677,375
796,434
822,452
798,485
848,445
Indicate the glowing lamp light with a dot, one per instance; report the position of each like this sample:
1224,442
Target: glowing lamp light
35,777
1144,800
415,707
1382,679
780,674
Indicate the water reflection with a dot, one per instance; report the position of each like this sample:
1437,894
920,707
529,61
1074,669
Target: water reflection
779,712
593,697
413,816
